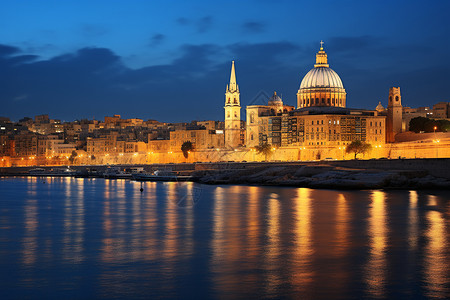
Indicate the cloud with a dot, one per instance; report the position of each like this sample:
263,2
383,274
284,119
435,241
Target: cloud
204,24
6,50
253,27
95,81
183,21
201,25
157,39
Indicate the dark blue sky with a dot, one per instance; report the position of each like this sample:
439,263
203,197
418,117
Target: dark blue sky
170,60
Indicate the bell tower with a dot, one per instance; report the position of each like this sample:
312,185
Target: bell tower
232,112
394,115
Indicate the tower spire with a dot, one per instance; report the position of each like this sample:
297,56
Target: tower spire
233,84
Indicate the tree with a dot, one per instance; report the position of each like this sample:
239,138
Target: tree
265,149
419,124
186,148
72,157
358,147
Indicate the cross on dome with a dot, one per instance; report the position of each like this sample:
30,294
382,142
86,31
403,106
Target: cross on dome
321,45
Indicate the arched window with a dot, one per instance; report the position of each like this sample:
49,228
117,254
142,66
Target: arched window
235,101
251,137
317,100
228,114
235,114
228,100
252,117
328,101
396,98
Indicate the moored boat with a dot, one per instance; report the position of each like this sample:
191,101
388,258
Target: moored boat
161,175
116,173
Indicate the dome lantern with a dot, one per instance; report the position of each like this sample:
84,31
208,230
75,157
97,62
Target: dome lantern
321,86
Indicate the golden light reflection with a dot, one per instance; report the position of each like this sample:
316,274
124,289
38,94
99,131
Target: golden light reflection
413,221
273,280
253,223
302,272
342,226
134,239
218,241
188,242
170,243
226,244
436,257
151,243
74,227
376,266
29,243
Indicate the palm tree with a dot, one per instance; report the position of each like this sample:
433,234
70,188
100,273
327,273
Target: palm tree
265,149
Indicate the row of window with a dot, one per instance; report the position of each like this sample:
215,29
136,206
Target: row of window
375,123
320,122
308,101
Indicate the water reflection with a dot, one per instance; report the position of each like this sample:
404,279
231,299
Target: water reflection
413,221
376,266
74,213
302,270
436,253
105,239
343,222
273,249
29,243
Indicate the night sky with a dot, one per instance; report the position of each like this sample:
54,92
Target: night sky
171,60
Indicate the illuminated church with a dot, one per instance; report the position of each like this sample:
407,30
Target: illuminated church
320,122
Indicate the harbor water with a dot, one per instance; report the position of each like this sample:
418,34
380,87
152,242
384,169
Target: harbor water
73,238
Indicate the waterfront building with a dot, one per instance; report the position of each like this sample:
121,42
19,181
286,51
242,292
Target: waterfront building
264,118
321,119
441,110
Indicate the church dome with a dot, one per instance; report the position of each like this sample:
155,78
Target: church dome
275,100
321,86
321,77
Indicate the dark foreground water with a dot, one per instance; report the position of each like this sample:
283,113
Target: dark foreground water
95,238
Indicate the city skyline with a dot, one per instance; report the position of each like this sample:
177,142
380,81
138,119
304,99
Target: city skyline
73,62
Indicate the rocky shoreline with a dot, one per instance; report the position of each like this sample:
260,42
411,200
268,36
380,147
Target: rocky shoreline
349,174
325,177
